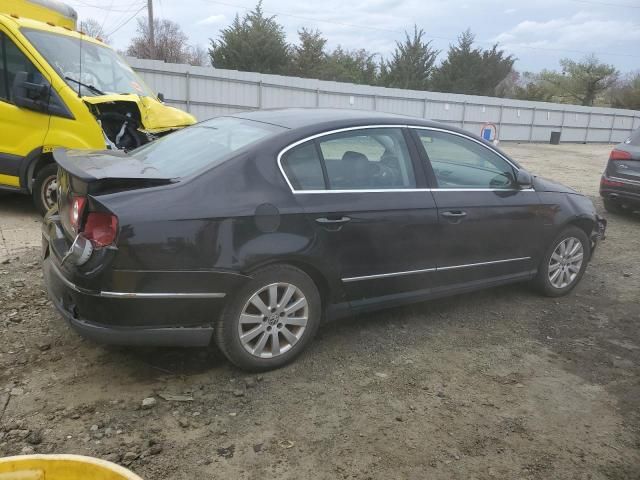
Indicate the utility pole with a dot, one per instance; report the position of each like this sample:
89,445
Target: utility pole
152,37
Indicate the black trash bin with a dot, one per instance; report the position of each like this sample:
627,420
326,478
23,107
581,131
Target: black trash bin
555,138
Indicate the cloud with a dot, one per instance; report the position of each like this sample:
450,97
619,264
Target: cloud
212,20
583,31
509,11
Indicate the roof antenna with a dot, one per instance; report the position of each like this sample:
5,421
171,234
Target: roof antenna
80,73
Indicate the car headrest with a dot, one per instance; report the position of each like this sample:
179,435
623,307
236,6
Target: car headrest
354,157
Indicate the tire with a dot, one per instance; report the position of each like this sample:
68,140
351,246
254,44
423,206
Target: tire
43,198
266,333
548,268
612,206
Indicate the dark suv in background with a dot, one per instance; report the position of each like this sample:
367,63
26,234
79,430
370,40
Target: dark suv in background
620,183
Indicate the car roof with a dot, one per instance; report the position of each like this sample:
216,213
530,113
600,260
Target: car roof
295,118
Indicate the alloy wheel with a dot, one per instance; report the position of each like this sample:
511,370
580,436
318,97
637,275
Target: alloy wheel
273,320
565,262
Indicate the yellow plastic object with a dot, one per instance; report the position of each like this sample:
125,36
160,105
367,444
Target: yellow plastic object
61,467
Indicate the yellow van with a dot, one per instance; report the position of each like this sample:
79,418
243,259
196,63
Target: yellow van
62,88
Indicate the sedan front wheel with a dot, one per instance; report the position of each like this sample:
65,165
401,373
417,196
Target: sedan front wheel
564,263
270,320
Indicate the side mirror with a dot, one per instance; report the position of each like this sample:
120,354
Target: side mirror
161,97
34,96
524,179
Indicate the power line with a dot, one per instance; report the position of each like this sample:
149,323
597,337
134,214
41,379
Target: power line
126,21
433,37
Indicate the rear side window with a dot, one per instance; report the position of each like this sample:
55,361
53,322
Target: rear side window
303,167
367,159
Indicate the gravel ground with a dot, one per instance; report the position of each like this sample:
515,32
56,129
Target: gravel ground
497,384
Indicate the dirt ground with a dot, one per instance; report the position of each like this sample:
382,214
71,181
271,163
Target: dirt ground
497,384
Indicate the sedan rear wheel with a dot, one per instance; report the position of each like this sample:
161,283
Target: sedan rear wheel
270,320
564,263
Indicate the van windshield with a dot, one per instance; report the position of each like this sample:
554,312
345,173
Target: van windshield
87,67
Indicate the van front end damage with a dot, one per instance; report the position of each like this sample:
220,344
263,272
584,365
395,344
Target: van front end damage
129,121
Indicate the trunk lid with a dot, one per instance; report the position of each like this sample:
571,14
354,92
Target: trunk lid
93,173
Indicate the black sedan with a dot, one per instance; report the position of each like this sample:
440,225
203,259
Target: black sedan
248,230
620,182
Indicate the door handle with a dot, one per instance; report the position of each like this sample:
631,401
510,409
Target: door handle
324,221
454,214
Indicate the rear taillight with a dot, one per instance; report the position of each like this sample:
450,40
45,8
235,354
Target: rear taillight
101,228
619,155
605,182
76,211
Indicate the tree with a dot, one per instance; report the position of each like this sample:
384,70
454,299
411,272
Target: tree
170,42
254,44
582,81
354,66
627,93
524,86
94,29
198,56
472,70
308,58
411,63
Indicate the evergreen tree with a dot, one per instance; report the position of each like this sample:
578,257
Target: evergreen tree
411,63
254,44
309,57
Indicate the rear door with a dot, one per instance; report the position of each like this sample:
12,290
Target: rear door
370,208
489,228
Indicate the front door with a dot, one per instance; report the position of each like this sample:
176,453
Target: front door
371,211
490,230
21,130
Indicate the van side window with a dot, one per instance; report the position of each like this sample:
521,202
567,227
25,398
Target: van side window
12,61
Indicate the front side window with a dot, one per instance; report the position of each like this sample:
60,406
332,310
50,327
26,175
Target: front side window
367,159
459,162
12,61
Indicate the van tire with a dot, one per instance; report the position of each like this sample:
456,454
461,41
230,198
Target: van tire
44,190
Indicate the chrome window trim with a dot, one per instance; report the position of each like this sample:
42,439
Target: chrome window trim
324,134
109,294
434,269
397,190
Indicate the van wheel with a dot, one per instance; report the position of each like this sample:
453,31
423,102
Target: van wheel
45,188
271,320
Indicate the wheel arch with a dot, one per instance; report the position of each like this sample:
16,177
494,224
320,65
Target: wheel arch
319,278
34,161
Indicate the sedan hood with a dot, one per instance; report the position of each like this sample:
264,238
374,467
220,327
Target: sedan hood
90,166
541,184
156,117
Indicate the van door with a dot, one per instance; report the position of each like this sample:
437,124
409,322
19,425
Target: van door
21,130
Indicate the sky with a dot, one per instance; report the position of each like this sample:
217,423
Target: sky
539,32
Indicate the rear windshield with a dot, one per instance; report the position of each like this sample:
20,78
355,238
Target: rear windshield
634,139
205,144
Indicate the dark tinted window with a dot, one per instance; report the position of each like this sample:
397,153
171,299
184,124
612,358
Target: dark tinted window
12,61
459,162
202,145
302,166
634,139
367,159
